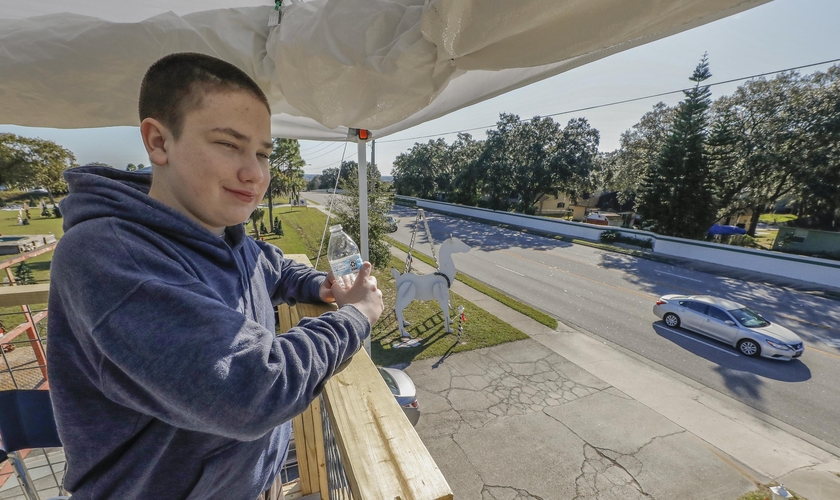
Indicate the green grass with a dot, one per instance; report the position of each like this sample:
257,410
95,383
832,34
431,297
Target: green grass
481,328
763,493
776,218
302,230
514,304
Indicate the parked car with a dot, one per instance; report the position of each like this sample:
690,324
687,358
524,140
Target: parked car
731,323
402,387
392,223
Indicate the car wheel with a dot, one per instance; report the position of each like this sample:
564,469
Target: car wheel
672,320
749,347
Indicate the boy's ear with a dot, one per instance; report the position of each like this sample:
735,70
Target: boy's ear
155,138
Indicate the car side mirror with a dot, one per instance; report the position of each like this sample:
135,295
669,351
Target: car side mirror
730,322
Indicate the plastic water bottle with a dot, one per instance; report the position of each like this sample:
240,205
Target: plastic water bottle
344,257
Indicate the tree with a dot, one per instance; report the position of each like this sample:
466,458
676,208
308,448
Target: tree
23,274
27,163
424,170
257,218
677,197
640,146
534,158
286,170
380,202
757,144
819,197
133,168
578,158
313,183
463,156
329,176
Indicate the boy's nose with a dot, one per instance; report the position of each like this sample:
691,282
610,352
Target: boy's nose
253,171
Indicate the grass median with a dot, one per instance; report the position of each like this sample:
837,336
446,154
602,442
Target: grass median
514,304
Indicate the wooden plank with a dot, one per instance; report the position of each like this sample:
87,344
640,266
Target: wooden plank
28,255
311,454
320,452
21,295
382,454
306,483
285,317
14,332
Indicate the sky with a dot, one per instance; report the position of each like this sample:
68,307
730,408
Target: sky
775,36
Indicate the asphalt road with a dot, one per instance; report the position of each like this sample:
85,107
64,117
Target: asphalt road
612,295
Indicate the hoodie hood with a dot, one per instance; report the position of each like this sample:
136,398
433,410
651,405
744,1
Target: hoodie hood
100,192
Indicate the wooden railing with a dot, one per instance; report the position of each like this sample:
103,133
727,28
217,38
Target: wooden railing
382,454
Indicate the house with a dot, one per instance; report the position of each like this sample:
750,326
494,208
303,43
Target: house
622,214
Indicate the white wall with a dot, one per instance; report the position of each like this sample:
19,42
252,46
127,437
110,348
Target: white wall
810,269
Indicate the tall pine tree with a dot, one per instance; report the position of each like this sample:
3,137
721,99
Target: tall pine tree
677,196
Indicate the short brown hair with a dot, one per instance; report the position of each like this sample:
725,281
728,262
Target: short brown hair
176,84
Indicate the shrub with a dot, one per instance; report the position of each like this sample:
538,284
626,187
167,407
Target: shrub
743,240
609,236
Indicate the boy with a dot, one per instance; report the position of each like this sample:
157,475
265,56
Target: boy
166,375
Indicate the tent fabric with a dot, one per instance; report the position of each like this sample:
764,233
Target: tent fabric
383,65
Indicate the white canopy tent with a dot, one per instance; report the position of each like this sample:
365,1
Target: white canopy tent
330,65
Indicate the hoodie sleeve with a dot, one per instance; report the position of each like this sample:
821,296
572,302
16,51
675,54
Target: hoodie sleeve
176,354
288,281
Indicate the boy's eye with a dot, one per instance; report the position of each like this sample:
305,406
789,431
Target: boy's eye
227,145
263,155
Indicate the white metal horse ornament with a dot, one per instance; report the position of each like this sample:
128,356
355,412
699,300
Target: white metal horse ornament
430,286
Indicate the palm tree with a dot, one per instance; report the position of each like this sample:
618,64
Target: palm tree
285,162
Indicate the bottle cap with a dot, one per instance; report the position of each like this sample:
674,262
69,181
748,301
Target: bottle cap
336,227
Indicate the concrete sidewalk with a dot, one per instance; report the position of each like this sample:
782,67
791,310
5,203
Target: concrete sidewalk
566,414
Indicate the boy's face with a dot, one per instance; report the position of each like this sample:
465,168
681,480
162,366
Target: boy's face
216,172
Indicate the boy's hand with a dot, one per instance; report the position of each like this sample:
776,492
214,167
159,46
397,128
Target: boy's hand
364,294
325,292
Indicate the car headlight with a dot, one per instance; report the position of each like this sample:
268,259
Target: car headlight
778,345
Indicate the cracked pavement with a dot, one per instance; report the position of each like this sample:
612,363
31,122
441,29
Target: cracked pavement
519,416
519,421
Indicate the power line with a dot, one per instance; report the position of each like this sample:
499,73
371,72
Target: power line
319,147
326,153
625,101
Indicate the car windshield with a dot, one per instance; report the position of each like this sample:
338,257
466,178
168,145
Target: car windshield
390,382
749,318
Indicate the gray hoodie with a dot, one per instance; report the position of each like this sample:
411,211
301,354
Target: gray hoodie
166,375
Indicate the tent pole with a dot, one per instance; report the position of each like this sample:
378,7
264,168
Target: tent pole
363,200
363,210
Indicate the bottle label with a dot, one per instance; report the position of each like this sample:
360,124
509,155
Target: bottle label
347,265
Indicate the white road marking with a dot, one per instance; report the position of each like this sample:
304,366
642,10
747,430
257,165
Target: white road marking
678,276
704,343
511,270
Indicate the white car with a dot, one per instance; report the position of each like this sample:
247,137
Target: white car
729,322
402,387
